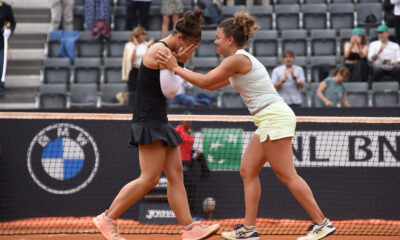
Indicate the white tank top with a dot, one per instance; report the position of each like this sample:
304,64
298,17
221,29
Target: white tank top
255,87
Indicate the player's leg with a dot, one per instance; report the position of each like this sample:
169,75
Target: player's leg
279,154
151,160
177,198
252,162
176,192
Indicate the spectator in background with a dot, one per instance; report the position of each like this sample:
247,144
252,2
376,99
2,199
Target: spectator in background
181,97
331,91
288,79
7,24
355,52
384,55
134,51
61,10
170,8
396,13
137,11
188,154
95,10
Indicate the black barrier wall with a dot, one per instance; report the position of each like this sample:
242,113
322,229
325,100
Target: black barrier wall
105,162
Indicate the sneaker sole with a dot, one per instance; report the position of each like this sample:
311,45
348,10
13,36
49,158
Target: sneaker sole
208,235
98,226
328,233
253,238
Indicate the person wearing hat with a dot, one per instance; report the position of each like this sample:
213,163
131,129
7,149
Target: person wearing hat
355,52
384,55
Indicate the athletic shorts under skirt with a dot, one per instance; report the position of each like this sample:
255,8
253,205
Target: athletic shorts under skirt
146,133
276,121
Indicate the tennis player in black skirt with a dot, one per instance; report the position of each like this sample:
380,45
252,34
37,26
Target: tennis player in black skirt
157,140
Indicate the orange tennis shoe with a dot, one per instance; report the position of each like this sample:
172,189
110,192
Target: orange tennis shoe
199,231
109,229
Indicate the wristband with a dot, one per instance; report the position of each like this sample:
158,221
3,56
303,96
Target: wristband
181,64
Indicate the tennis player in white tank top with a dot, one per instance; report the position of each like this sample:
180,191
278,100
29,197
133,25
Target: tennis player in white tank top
276,123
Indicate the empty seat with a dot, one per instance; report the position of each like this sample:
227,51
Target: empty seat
370,1
89,47
262,15
117,42
385,94
207,48
204,64
228,11
287,16
52,96
120,18
314,16
56,70
323,43
84,95
188,5
322,67
53,47
314,1
365,11
313,98
341,15
155,19
78,18
295,40
109,94
265,43
343,1
286,1
357,93
87,70
270,63
231,98
112,70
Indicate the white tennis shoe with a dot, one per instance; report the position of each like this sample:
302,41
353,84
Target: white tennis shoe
319,231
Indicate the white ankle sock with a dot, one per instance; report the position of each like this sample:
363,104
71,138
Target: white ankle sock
249,227
188,227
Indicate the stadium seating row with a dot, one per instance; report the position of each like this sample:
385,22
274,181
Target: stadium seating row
285,16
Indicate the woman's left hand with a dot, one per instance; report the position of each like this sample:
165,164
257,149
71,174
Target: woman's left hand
165,57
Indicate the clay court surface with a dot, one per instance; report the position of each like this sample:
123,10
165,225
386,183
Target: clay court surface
71,228
177,237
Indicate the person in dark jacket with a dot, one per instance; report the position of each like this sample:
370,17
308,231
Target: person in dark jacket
7,23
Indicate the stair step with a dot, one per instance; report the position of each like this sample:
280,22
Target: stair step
18,95
27,40
23,54
24,67
36,28
22,81
15,4
28,15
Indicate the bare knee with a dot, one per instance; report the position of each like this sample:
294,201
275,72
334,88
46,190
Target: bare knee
150,181
286,177
247,173
175,175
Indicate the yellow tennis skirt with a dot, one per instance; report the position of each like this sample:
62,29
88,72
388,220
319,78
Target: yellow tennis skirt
276,121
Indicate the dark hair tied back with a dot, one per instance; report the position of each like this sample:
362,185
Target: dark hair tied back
190,24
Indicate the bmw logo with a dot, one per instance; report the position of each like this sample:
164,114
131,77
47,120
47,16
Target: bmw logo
63,158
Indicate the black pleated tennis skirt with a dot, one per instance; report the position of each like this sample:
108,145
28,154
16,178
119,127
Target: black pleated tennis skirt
146,133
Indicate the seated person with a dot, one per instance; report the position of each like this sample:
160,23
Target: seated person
384,55
331,91
181,97
355,52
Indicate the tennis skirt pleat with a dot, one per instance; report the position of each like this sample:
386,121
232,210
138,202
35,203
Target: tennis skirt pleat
146,133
